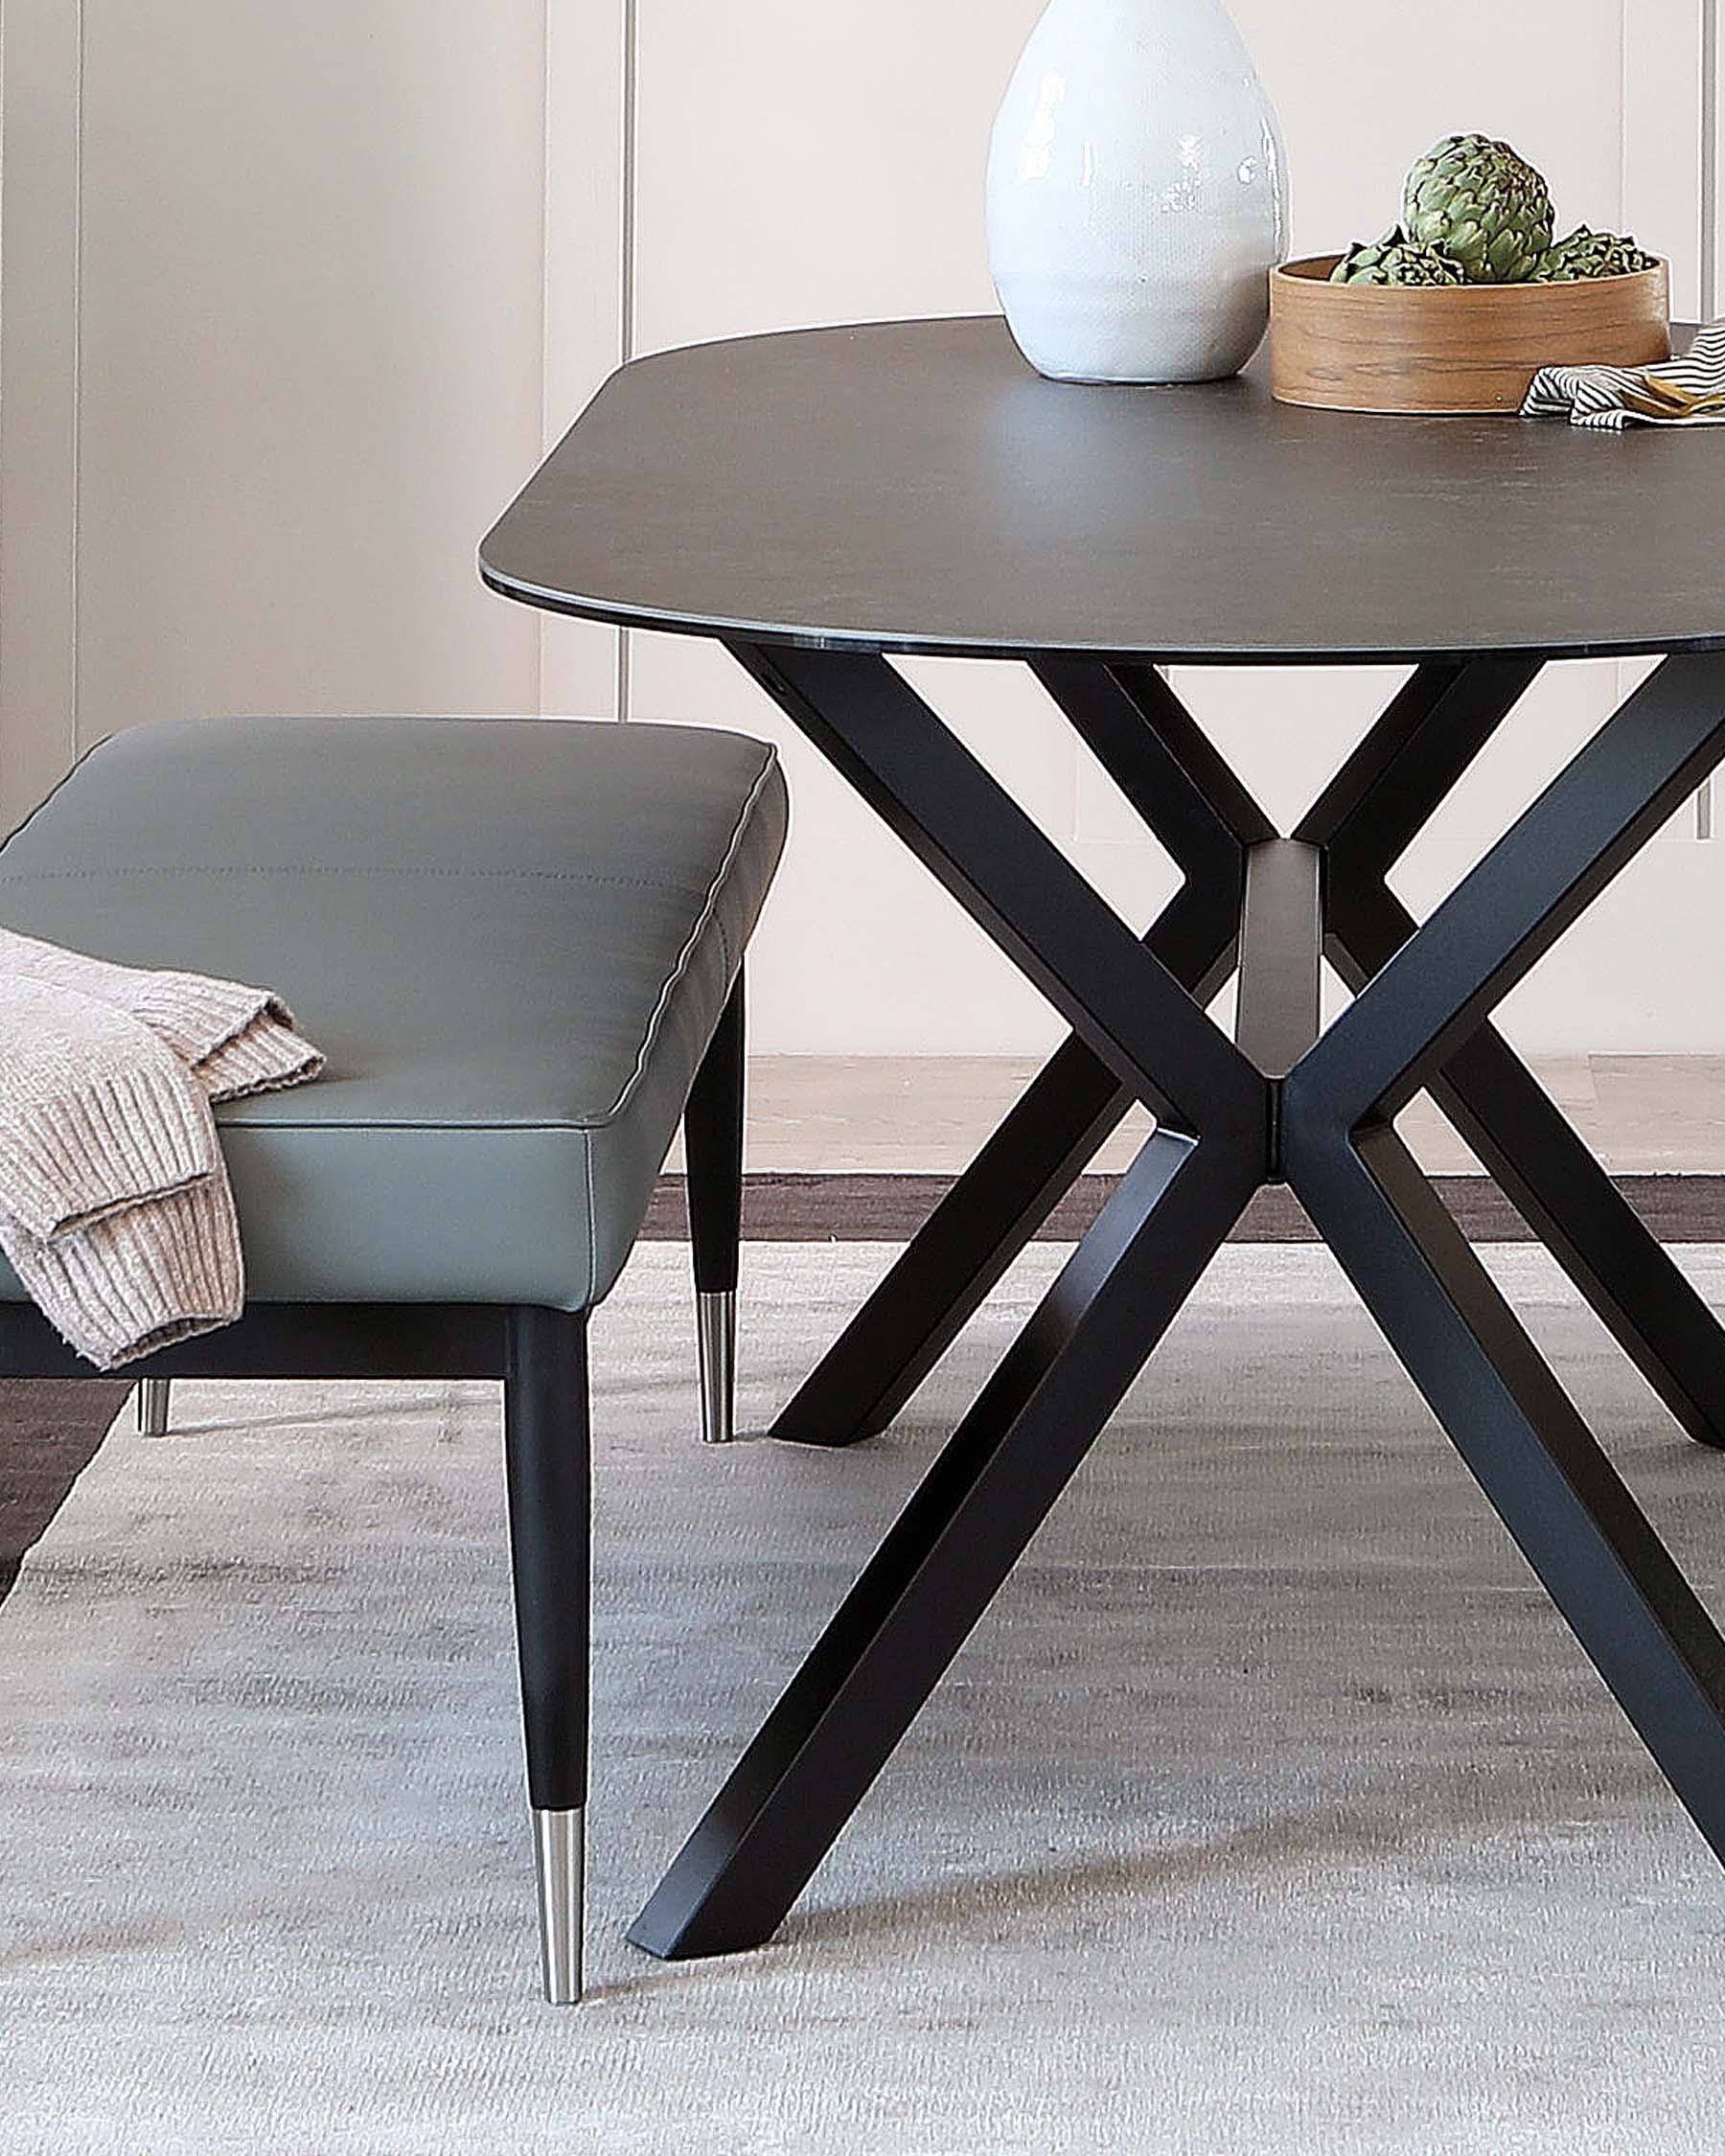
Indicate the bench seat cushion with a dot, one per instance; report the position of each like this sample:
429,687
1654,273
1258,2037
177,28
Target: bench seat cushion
513,939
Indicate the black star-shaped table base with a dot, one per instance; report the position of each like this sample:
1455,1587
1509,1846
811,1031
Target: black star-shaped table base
1285,1101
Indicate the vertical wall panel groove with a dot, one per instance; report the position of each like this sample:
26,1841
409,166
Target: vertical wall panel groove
586,168
76,741
38,414
1670,100
629,265
1712,176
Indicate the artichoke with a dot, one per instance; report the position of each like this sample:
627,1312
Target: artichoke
1396,259
1484,207
1585,255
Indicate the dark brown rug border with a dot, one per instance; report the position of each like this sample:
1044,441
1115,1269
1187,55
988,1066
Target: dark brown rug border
888,1209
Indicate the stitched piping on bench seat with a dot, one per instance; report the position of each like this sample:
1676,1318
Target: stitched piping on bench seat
419,873
678,969
685,956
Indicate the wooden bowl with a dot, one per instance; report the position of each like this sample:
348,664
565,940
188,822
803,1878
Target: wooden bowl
1471,347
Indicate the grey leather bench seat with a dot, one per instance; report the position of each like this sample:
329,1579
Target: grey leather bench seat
513,939
520,946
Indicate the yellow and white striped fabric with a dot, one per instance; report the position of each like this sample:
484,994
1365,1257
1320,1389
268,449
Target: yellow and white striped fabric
1685,392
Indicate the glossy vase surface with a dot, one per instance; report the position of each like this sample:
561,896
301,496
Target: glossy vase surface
1137,193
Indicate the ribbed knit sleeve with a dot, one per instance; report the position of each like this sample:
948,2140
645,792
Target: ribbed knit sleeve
116,1212
238,1040
96,1113
139,1281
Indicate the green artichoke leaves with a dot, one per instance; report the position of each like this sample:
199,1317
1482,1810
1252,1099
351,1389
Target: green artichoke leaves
1484,207
1396,259
1477,213
1586,255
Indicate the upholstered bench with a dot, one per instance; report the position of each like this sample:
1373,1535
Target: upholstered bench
520,946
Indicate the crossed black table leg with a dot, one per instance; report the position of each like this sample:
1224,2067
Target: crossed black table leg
1370,815
1284,1101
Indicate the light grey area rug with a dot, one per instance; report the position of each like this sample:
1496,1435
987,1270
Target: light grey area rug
1270,1811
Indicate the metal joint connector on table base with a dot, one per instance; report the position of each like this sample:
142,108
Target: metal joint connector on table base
1281,970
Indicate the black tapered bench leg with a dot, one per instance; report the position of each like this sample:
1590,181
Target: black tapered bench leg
713,1138
547,1440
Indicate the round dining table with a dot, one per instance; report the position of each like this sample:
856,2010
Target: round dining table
820,500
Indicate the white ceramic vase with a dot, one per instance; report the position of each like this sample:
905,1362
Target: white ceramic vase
1137,193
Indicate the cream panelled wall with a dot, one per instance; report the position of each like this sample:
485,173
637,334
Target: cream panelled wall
273,356
293,297
802,165
312,249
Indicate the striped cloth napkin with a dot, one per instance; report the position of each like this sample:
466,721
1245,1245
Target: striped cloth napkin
1686,392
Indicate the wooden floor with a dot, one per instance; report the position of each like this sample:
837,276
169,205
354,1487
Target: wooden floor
1643,1115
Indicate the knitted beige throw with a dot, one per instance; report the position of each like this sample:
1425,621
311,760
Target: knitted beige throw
115,1207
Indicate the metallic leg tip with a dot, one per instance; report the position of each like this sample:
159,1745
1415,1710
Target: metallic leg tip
154,1406
717,1321
559,1846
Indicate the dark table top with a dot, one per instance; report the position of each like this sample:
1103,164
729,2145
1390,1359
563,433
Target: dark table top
913,486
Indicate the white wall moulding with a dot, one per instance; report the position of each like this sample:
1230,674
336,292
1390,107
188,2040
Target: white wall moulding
1671,175
39,75
1670,89
630,290
1714,159
589,254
